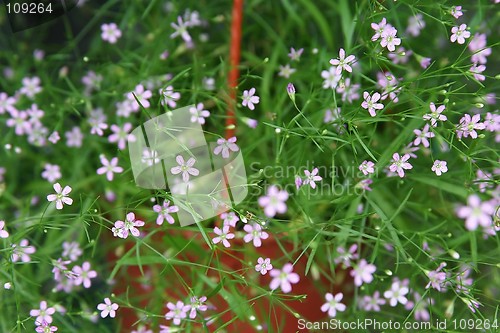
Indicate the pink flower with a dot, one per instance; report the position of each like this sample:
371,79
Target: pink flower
198,115
400,164
283,278
110,32
249,98
223,236
459,34
437,278
370,103
342,62
255,233
456,11
477,45
74,137
425,62
3,232
422,136
197,305
177,312
492,122
312,177
345,257
397,293
331,79
121,135
83,275
164,212
54,137
274,201
51,173
71,250
349,91
367,167
389,39
186,168
415,24
142,96
44,314
31,86
373,303
436,114
44,327
181,30
230,219
60,267
169,96
363,272
476,213
439,167
61,196
286,71
379,29
333,304
122,228
295,55
107,308
19,120
468,126
263,265
476,72
22,251
225,146
109,167
7,103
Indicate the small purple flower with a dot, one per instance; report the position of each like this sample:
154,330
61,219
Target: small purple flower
345,257
230,219
45,327
22,251
44,313
439,167
468,126
263,265
225,146
109,167
121,135
397,293
342,62
400,164
249,98
110,32
477,70
107,308
476,213
389,39
436,114
197,305
186,168
61,196
198,114
255,233
373,303
333,304
169,96
295,55
122,228
437,278
423,136
312,177
367,167
274,201
83,275
177,312
3,232
222,236
456,11
363,272
370,103
459,34
164,212
283,278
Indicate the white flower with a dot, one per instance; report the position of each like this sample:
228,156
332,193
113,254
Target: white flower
225,146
